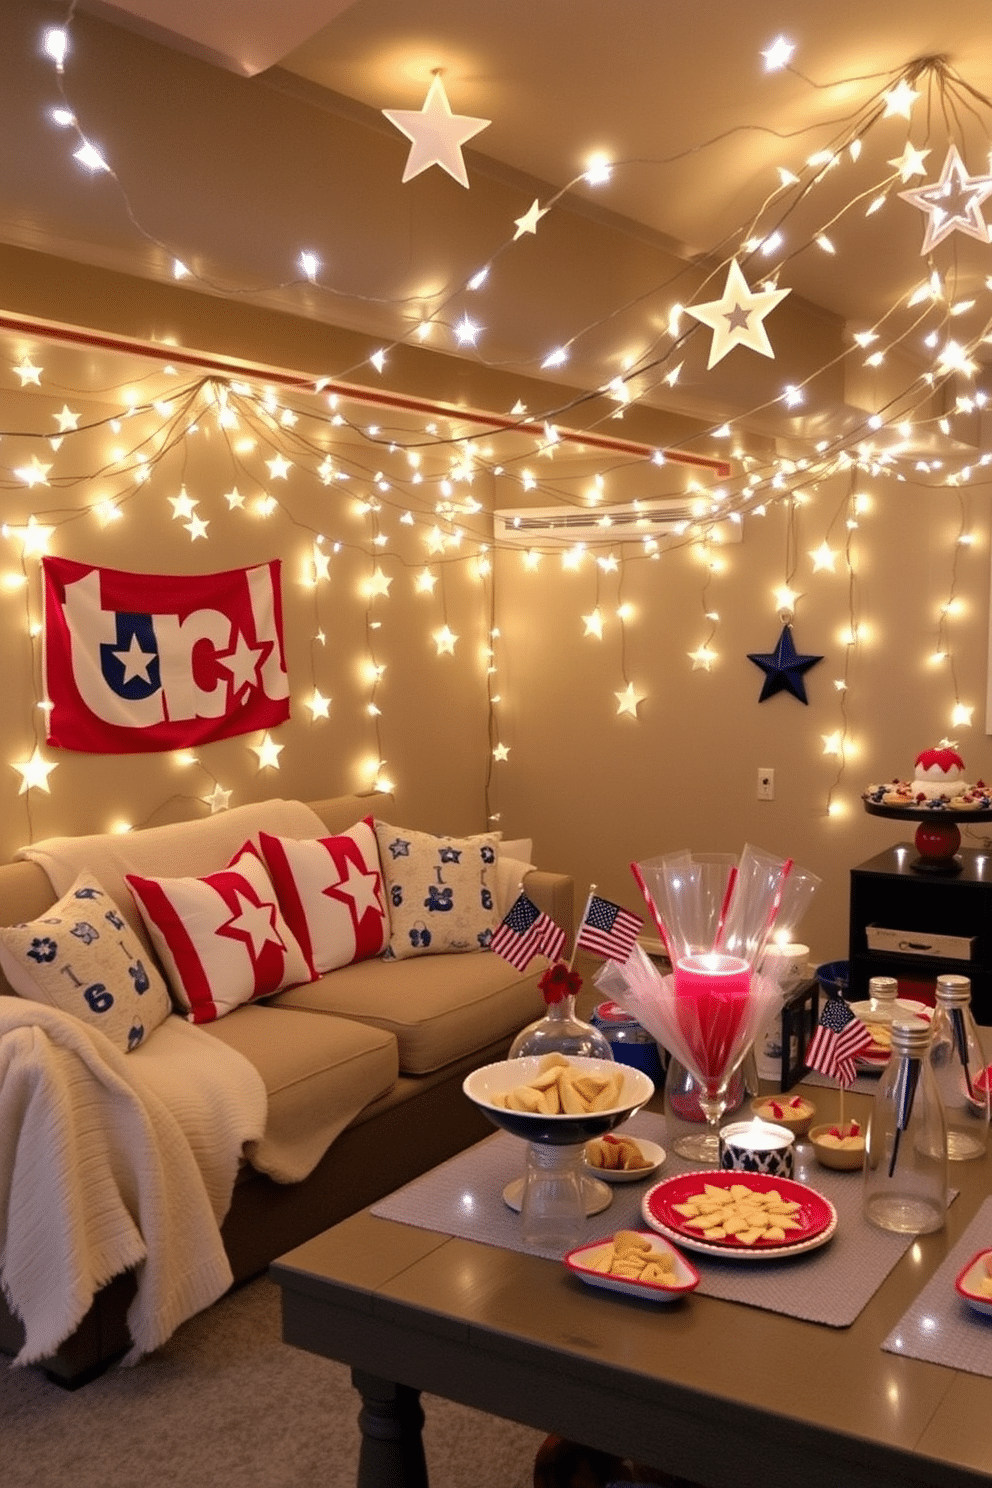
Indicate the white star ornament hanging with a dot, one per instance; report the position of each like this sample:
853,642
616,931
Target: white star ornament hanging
437,135
952,203
738,318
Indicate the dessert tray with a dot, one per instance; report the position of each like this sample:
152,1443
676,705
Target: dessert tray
665,1208
683,1277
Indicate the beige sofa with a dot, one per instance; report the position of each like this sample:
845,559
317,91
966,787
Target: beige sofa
390,1040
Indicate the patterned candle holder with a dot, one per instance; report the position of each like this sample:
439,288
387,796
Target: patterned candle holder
757,1147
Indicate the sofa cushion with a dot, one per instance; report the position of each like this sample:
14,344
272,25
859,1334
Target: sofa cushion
439,1008
441,890
319,1072
331,892
222,939
81,956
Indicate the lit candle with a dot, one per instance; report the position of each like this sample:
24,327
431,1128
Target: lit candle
711,994
757,1147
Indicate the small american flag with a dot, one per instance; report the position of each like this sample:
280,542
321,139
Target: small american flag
608,930
527,932
839,1036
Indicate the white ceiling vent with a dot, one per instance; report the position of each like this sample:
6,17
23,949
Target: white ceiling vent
533,526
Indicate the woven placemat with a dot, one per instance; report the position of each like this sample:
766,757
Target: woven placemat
941,1327
464,1197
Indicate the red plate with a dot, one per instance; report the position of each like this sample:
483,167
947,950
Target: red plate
817,1217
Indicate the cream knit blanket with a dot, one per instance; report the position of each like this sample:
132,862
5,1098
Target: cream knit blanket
99,1176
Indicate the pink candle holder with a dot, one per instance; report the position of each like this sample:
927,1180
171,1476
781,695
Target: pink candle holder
712,993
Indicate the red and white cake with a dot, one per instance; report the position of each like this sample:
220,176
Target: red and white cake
937,782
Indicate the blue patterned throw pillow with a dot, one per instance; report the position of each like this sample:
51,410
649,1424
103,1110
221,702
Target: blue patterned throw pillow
84,958
441,891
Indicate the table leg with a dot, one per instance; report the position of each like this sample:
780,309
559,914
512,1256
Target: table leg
392,1453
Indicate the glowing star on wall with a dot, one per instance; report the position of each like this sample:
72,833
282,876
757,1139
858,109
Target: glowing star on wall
436,133
737,319
952,203
784,668
218,799
628,700
268,752
528,222
34,772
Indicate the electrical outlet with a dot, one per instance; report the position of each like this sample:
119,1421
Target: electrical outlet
766,783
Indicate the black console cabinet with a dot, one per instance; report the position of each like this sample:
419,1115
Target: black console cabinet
888,893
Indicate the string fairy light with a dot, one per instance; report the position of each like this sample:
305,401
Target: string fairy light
290,436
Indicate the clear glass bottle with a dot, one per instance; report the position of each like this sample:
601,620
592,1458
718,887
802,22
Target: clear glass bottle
882,994
560,1031
905,1173
957,1062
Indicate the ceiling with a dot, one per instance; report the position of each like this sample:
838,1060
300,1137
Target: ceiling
674,92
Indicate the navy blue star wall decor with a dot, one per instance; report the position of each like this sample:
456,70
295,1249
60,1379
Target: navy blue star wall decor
784,668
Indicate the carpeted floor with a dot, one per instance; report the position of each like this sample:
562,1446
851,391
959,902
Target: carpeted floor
225,1402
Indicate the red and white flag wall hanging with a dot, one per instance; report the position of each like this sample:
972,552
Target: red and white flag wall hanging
142,662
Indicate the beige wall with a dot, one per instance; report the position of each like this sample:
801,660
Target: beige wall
595,789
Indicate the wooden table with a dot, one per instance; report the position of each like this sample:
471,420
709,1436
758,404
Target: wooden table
728,1395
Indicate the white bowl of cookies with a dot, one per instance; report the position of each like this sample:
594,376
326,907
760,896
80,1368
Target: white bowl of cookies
559,1100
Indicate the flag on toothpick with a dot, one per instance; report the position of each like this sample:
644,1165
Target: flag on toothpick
526,932
608,930
839,1036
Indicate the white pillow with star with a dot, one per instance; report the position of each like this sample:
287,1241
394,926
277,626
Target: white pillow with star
222,939
441,891
331,891
84,958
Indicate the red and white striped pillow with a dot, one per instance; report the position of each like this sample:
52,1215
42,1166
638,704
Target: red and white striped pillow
222,939
332,893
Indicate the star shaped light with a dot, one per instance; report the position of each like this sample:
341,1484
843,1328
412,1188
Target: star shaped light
196,527
628,700
279,467
501,752
182,505
444,640
738,318
319,705
899,100
66,419
528,222
268,752
436,134
784,668
218,799
702,659
910,162
378,584
35,474
234,498
34,773
28,372
33,537
952,203
594,624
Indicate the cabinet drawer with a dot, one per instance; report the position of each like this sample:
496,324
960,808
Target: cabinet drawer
920,943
